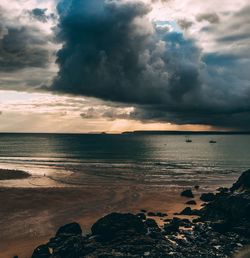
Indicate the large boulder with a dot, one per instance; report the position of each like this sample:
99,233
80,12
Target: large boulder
70,247
207,197
187,193
69,229
232,207
243,183
41,251
111,225
188,211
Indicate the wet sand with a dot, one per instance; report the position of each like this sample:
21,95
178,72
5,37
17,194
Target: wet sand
30,216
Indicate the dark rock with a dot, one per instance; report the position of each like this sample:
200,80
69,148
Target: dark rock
41,251
15,256
192,202
151,214
196,187
197,220
222,189
243,183
171,228
189,211
230,207
156,235
161,215
108,226
221,230
69,229
243,230
143,211
174,225
141,216
151,223
221,226
187,193
72,247
207,197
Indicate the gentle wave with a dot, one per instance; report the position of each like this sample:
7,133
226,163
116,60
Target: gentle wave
162,160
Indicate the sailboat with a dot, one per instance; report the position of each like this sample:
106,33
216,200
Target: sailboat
188,139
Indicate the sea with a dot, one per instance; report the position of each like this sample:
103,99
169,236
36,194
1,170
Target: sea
157,160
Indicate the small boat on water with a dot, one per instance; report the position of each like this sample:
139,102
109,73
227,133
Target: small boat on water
212,141
188,139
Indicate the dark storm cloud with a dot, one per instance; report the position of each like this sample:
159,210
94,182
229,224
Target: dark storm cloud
234,120
21,46
210,17
110,52
113,52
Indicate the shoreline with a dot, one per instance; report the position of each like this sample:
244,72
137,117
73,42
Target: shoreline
221,229
32,214
35,213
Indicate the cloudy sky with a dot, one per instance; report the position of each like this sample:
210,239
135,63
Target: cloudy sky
117,65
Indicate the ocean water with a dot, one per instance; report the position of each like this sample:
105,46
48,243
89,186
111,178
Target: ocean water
159,160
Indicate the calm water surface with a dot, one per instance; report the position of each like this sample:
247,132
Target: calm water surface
161,160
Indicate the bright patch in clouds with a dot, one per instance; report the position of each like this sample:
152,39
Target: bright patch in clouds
43,112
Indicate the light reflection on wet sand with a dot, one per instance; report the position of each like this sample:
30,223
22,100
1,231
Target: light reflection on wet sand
35,213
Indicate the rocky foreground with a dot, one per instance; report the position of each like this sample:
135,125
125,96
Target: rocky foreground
222,228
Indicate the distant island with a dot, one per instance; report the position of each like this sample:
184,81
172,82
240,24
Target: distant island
187,132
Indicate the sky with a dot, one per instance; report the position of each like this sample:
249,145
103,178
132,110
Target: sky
122,65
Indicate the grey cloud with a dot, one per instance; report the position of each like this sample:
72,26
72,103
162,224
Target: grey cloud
39,14
3,31
21,46
234,120
114,55
26,52
107,112
185,24
234,28
210,17
233,38
113,52
42,15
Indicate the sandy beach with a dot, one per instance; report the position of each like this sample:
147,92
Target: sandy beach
31,215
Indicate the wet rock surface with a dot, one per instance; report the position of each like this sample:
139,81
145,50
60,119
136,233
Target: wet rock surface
221,229
192,202
208,197
69,229
187,193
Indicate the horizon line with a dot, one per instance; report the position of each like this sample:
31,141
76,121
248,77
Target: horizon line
137,132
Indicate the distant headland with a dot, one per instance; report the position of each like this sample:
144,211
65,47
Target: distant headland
187,132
